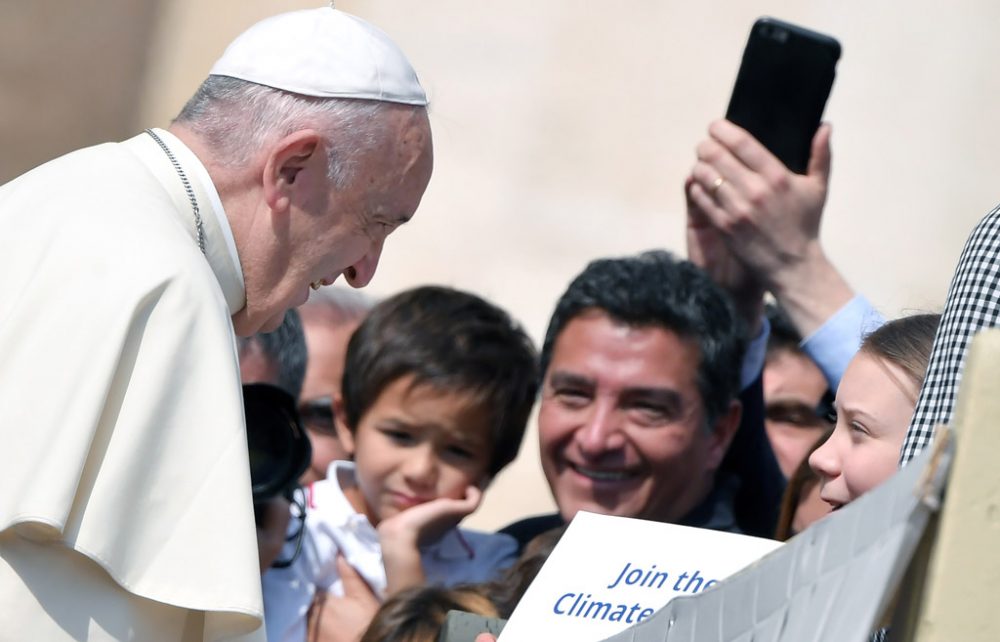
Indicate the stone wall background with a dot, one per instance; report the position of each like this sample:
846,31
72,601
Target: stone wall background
564,129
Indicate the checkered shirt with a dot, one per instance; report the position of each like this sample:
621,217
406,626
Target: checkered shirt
973,304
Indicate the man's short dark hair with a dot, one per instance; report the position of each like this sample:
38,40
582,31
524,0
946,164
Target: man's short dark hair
655,289
285,347
452,341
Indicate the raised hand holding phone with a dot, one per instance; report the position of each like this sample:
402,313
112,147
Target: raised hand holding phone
782,87
760,192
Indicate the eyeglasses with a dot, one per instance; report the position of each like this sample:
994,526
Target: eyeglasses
317,415
297,526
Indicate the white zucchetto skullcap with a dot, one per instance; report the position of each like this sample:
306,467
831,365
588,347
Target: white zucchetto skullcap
324,53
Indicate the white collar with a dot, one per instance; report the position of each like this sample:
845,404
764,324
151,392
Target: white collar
220,246
328,495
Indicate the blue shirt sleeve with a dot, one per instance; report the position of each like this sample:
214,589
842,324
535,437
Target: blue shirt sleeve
835,343
753,358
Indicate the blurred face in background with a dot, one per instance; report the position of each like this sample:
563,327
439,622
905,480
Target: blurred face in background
326,341
793,389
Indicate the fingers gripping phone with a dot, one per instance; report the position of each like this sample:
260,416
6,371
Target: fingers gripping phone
782,87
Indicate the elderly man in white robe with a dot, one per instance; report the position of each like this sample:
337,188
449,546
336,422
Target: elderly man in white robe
125,504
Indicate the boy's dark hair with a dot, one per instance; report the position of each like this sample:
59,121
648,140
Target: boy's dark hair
452,341
655,289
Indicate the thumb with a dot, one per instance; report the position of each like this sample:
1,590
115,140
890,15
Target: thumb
821,156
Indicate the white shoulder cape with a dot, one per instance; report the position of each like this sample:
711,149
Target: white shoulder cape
125,504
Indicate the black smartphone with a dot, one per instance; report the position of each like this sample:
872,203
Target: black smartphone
782,87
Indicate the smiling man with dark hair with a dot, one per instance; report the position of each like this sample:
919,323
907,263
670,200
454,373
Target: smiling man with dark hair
641,373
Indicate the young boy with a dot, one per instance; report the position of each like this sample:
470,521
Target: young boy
437,389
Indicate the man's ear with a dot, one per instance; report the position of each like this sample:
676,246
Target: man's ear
345,433
285,161
723,432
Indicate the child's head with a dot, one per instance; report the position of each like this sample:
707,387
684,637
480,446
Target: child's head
417,614
438,385
875,402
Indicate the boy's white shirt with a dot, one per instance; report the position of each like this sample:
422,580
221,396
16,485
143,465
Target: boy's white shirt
333,525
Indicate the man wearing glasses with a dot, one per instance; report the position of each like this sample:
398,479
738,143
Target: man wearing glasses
328,320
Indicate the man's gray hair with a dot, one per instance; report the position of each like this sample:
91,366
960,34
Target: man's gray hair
237,118
286,348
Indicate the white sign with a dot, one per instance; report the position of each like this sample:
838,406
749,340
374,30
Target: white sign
609,573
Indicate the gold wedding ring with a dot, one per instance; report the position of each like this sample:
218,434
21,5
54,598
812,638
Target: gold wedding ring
716,184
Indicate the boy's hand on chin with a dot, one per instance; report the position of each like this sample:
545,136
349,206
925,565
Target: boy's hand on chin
401,535
428,521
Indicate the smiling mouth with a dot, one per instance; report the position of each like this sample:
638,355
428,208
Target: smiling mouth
319,283
602,474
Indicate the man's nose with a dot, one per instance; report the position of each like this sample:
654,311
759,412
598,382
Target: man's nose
601,431
361,273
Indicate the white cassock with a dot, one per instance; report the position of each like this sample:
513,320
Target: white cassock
125,503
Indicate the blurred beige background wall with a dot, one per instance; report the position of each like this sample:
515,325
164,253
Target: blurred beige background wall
564,130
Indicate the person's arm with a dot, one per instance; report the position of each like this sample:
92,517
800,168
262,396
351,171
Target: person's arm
750,457
709,249
834,344
770,219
